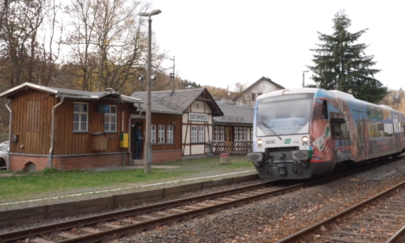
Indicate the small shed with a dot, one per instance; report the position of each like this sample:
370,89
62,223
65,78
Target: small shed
67,129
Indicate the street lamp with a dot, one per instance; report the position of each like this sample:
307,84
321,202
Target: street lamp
147,149
303,78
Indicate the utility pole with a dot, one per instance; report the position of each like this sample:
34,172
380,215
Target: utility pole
173,75
303,78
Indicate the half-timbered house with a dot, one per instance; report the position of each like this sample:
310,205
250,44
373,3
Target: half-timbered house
67,129
181,123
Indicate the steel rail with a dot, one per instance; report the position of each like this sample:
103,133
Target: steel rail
330,219
397,235
10,236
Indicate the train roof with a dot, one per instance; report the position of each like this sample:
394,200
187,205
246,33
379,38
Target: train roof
339,93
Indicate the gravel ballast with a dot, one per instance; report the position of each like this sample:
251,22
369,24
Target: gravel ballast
275,218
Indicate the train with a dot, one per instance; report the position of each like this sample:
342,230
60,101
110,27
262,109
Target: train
305,132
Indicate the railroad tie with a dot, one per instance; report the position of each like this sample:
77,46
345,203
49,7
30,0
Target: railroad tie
40,240
164,214
147,217
192,207
114,226
129,221
67,235
90,230
178,210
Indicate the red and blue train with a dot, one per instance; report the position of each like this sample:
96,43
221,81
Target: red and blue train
299,133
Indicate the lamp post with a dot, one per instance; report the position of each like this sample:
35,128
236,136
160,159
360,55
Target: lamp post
303,78
147,148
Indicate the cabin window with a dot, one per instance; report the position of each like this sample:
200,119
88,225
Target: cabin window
245,134
193,134
253,97
80,117
221,134
236,133
169,134
324,110
153,133
201,134
216,134
110,119
161,134
241,134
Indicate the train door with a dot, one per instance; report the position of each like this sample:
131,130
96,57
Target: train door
134,142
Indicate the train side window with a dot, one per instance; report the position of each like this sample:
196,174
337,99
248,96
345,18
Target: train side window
324,110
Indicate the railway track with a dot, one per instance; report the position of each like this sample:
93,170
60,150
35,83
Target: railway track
120,223
378,219
126,222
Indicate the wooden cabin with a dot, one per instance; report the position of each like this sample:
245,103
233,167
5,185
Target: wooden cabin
67,129
182,123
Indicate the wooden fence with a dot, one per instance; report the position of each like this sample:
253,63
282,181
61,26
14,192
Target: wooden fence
237,149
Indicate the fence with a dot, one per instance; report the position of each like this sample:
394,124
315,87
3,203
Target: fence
237,149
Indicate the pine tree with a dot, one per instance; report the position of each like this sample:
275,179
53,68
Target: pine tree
341,63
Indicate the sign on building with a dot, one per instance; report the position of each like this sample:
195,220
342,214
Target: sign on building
198,117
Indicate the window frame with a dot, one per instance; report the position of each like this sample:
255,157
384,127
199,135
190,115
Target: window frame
169,134
194,134
152,133
201,134
161,134
80,113
111,115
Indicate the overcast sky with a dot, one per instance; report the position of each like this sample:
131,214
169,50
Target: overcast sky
222,42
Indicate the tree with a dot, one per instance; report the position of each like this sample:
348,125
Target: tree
341,63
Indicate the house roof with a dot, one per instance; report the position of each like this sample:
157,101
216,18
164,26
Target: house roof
235,114
251,86
179,100
67,93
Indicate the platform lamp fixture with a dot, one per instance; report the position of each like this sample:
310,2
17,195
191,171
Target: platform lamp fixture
147,147
303,78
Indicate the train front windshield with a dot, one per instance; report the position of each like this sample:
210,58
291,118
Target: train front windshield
283,115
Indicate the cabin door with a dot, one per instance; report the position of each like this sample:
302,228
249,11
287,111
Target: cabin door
228,139
134,142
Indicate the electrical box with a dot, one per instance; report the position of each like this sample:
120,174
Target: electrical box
14,138
124,141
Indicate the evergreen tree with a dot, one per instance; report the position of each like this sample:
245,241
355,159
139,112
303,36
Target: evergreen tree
341,63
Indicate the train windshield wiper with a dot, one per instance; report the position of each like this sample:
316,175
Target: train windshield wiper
267,126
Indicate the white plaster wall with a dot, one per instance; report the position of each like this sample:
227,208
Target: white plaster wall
187,150
197,149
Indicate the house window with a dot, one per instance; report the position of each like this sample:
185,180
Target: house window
201,135
161,134
110,119
236,132
221,134
241,134
169,134
253,97
153,133
245,134
251,134
80,117
193,134
216,134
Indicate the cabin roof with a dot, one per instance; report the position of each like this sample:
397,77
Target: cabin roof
235,114
178,101
67,93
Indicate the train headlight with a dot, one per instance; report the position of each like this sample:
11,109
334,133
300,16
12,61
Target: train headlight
259,142
305,139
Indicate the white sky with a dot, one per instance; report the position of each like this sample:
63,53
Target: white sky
222,42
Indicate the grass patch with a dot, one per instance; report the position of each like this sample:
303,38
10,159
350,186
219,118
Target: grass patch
54,181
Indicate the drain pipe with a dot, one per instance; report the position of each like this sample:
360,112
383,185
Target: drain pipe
53,132
9,134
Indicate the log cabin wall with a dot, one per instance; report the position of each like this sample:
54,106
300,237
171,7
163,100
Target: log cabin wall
32,122
68,142
167,119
